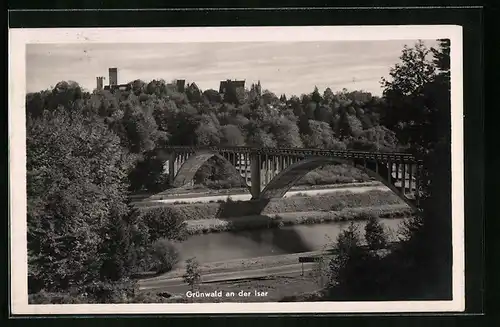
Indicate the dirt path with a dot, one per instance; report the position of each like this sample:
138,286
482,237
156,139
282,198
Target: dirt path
177,282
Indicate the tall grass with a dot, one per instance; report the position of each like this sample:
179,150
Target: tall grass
327,202
297,218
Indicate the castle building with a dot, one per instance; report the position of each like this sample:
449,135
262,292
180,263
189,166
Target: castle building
100,82
113,81
227,84
181,84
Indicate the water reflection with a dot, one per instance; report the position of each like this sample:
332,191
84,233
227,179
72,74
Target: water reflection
266,242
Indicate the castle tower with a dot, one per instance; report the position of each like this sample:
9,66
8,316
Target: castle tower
100,82
181,85
113,76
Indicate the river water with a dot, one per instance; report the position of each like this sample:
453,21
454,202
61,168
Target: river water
266,242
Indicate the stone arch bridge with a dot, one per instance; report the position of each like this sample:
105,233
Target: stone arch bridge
271,172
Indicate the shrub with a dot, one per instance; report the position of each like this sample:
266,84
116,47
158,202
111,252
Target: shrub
110,292
320,272
148,297
338,206
348,257
165,222
44,297
375,236
165,254
192,277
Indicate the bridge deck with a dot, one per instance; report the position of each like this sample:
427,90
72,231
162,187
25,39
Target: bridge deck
392,156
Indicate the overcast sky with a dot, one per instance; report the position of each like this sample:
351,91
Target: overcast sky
290,68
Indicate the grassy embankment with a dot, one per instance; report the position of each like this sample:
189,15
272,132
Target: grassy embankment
294,218
245,215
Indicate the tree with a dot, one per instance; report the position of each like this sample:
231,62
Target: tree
157,87
166,255
232,135
138,86
257,136
421,267
64,94
315,96
377,138
76,185
328,95
36,103
348,125
270,98
286,133
208,130
192,277
164,222
345,264
406,94
321,137
138,129
375,235
212,96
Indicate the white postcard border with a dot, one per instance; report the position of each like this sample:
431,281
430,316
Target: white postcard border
19,38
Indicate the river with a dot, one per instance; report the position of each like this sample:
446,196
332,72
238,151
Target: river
266,242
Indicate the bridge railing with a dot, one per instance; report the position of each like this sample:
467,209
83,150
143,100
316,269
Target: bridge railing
387,156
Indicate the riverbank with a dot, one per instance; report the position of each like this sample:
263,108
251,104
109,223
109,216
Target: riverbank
214,225
325,202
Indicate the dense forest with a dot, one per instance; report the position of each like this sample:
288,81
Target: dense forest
86,151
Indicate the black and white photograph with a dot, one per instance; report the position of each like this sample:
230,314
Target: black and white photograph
276,169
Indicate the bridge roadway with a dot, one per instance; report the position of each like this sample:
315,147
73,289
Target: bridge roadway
401,157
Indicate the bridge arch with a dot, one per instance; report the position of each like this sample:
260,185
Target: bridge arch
189,168
293,173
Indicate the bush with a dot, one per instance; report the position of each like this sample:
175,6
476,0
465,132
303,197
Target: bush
165,222
165,254
192,277
338,206
346,267
44,297
375,235
334,174
110,292
321,272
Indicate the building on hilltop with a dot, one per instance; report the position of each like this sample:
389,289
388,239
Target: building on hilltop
181,83
227,84
232,91
100,83
113,76
113,81
178,85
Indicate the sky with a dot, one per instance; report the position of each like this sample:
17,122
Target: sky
291,68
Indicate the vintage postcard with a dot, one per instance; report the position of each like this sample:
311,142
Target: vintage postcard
236,170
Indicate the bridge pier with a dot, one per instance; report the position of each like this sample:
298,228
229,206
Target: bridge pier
171,168
403,179
255,169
